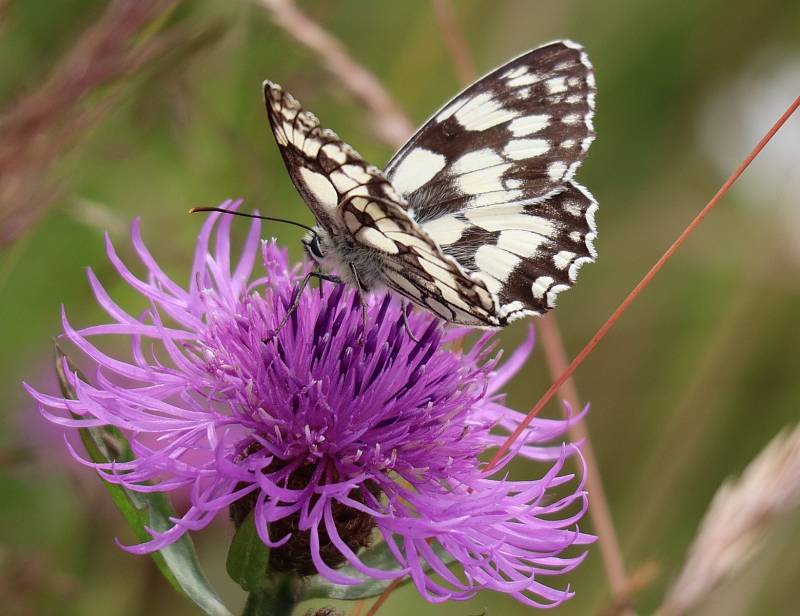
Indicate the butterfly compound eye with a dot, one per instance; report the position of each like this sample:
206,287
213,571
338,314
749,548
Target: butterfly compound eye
314,248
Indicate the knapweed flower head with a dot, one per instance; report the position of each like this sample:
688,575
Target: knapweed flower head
333,437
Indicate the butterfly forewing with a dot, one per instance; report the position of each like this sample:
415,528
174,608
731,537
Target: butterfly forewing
517,134
324,169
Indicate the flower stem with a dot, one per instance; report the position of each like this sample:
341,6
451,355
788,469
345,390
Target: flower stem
277,599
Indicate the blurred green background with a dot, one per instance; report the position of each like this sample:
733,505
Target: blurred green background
693,382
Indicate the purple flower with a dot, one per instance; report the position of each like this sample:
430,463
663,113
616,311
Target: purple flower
324,432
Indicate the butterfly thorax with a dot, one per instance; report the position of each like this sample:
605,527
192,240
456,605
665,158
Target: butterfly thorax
354,263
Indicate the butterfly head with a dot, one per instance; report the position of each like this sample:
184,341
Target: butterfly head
315,244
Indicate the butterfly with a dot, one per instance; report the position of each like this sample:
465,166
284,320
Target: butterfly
477,218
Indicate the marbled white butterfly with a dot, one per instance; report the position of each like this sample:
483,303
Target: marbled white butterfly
477,218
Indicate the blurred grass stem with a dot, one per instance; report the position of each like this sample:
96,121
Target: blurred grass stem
37,129
678,450
643,283
388,121
599,511
453,37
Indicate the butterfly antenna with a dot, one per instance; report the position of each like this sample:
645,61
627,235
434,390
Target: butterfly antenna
247,215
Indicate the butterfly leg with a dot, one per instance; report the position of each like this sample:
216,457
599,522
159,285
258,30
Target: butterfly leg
404,307
299,292
361,292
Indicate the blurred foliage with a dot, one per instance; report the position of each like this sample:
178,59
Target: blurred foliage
691,385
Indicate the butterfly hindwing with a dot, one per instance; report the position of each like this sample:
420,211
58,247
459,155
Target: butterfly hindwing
415,266
526,254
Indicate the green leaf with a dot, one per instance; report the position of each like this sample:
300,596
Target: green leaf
248,557
178,563
378,557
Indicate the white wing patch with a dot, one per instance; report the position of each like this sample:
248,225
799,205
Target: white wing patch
476,161
446,229
417,169
502,217
556,170
521,243
320,187
541,285
496,262
528,125
482,180
520,149
483,111
563,259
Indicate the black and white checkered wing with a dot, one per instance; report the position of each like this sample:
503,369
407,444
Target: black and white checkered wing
415,267
324,169
490,177
525,253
